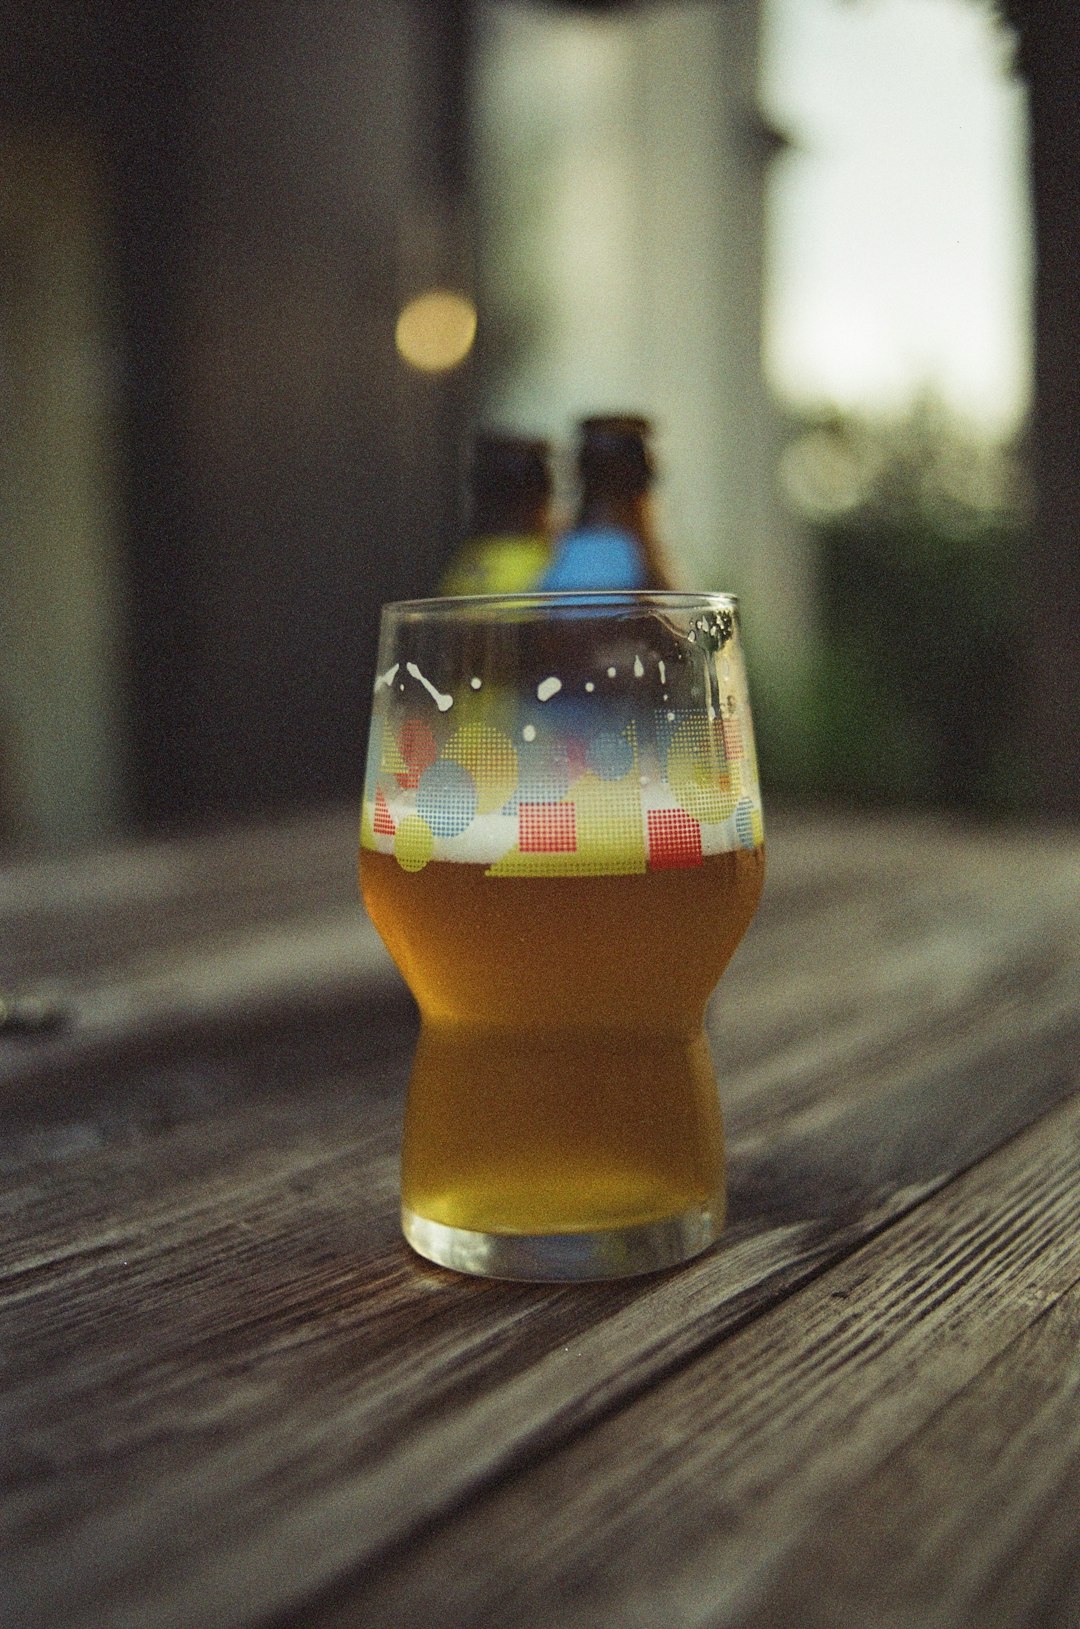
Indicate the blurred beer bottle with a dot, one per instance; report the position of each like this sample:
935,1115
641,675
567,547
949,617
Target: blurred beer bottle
613,542
508,545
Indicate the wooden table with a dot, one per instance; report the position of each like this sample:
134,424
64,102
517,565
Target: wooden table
232,1396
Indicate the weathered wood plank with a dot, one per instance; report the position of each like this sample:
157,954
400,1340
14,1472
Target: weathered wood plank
310,969
70,916
686,1506
354,1396
226,1381
973,1521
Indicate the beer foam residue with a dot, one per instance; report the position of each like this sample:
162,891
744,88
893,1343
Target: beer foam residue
388,677
491,837
441,701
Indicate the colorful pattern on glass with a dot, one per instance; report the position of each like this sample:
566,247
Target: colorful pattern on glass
571,786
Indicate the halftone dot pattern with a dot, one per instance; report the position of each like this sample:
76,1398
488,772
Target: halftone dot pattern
545,772
611,755
390,760
547,828
577,756
414,843
419,749
665,723
368,834
697,770
568,778
374,750
610,831
686,729
733,739
490,758
446,798
674,840
748,825
383,821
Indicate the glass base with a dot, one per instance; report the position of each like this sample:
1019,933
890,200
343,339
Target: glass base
617,1252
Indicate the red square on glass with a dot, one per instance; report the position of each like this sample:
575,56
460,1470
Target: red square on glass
546,828
674,840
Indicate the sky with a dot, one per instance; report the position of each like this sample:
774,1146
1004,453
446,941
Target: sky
899,242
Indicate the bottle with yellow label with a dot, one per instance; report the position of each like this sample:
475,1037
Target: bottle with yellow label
508,546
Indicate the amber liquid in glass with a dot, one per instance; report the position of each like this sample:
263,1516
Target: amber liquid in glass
562,1082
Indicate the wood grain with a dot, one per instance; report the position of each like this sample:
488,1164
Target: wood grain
683,1506
233,1397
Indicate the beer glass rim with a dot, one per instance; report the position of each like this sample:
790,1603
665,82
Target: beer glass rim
489,606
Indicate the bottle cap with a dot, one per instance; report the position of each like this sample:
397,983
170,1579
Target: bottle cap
614,449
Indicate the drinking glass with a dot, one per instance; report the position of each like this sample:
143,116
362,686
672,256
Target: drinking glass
561,845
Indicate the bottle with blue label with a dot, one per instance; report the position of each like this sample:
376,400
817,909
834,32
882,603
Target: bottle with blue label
613,542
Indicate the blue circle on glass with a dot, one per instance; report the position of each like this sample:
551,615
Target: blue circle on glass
610,756
744,822
446,798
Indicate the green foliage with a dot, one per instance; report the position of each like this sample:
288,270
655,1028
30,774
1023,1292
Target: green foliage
914,698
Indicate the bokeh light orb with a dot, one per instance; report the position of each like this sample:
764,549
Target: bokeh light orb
435,331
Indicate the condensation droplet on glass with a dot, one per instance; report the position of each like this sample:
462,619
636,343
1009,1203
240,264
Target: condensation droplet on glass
548,688
639,668
611,672
529,732
671,718
590,687
475,683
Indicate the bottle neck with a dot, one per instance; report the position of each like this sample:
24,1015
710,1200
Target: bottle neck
500,516
630,512
633,513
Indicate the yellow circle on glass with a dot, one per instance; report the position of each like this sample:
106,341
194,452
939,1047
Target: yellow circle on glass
435,332
698,772
491,760
414,843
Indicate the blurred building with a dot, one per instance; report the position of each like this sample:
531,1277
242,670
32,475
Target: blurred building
214,464
232,425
